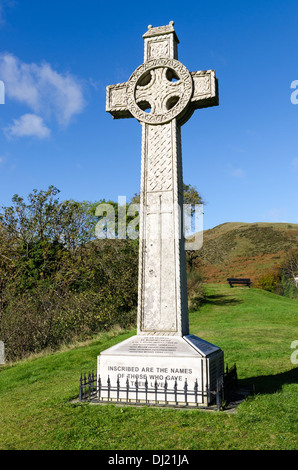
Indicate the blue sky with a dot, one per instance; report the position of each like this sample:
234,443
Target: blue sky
57,57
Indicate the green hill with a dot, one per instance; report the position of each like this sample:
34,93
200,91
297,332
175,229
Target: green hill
255,328
236,249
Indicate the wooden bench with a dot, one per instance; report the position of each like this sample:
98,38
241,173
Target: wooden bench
233,280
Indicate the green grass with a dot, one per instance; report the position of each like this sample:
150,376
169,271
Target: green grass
254,328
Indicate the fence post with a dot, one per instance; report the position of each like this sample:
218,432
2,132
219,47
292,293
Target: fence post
80,388
93,382
99,386
118,388
89,385
137,389
217,396
127,390
146,390
109,388
196,391
185,391
175,391
165,389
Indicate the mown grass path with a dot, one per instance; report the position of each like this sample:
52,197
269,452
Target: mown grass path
254,328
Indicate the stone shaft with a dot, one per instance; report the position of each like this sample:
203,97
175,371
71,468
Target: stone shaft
162,94
162,306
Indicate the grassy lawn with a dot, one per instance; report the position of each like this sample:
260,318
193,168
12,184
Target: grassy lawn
254,328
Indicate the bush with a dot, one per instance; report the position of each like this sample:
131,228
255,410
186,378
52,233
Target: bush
279,282
270,281
289,287
56,282
195,290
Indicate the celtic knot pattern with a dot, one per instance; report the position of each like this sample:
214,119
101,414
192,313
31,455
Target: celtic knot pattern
160,165
159,90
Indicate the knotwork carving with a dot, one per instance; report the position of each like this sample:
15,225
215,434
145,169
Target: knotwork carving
160,166
151,84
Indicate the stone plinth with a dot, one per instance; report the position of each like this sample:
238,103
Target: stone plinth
158,360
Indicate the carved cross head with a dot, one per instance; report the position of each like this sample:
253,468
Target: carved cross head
162,88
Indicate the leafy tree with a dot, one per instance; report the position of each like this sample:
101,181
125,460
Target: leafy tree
42,234
290,265
190,196
289,271
56,280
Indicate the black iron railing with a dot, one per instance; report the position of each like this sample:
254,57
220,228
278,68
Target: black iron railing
92,389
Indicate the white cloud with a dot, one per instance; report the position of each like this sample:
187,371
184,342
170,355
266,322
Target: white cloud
28,125
46,92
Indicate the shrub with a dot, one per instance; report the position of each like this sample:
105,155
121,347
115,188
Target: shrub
269,281
56,282
195,290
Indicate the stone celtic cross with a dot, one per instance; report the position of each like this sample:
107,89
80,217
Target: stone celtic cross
162,95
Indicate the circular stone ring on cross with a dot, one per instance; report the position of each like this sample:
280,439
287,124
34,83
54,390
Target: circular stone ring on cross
159,90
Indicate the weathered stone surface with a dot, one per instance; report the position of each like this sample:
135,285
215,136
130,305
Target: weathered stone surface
162,95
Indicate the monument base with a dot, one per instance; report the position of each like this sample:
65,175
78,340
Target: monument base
160,369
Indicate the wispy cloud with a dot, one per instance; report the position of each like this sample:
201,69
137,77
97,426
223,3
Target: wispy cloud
238,173
3,5
47,93
28,125
232,169
251,132
237,149
276,215
1,14
3,158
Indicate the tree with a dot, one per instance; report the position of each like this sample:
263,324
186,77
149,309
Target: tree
42,234
56,280
289,271
190,196
290,265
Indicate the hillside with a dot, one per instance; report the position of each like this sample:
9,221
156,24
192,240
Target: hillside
236,249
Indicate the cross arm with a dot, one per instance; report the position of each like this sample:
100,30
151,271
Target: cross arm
205,92
116,101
